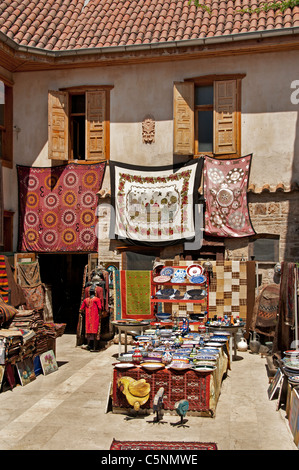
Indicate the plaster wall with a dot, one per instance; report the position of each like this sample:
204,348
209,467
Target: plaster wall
270,127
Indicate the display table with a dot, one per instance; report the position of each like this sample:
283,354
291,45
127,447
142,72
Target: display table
201,389
232,330
125,327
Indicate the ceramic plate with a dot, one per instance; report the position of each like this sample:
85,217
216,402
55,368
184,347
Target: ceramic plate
179,366
124,365
213,343
194,270
291,353
198,279
294,378
161,279
152,365
204,368
167,271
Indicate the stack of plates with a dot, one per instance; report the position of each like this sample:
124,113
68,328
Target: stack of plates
292,354
291,366
294,379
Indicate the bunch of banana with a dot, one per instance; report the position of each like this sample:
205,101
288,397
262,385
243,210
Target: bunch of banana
136,391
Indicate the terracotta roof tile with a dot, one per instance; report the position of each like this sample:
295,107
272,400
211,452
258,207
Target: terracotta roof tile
69,24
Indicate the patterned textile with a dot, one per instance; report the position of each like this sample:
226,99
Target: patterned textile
225,190
92,307
7,312
58,207
4,287
265,311
159,445
284,333
154,205
228,289
191,385
35,297
28,274
132,294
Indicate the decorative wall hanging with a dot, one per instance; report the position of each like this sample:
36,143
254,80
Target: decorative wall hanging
225,191
148,130
132,290
154,205
57,207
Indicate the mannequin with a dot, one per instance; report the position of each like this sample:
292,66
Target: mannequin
92,306
99,291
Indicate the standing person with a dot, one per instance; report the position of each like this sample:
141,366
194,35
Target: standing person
92,306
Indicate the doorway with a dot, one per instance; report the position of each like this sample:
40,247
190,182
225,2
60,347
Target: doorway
64,274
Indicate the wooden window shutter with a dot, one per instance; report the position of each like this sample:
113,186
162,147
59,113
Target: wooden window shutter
183,118
96,125
58,125
225,117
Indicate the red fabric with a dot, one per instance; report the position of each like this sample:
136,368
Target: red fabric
92,307
158,445
225,190
191,385
99,293
58,207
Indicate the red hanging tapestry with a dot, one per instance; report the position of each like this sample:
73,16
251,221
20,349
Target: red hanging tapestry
57,207
225,191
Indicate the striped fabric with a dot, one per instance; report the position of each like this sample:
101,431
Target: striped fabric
4,288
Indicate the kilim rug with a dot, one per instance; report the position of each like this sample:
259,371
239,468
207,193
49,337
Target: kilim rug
57,207
225,192
154,204
158,445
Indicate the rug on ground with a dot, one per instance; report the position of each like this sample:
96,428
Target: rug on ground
158,445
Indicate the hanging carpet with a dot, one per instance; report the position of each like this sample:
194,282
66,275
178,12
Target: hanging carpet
284,333
265,310
160,445
154,205
57,207
225,191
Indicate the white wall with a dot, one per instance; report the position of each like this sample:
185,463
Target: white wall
270,127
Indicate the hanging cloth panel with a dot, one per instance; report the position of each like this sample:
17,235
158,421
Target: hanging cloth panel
58,207
154,205
225,191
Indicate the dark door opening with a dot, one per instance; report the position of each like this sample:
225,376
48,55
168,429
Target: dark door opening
64,273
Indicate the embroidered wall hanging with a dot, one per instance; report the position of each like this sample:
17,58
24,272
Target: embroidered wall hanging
154,204
225,191
57,207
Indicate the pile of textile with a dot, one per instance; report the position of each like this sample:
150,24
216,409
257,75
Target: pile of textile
32,320
54,330
13,341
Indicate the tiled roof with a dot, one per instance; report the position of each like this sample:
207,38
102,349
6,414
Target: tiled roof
60,25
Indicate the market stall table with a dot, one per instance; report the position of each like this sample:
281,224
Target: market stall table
200,388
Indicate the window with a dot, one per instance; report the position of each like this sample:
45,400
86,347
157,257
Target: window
207,116
79,124
6,110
